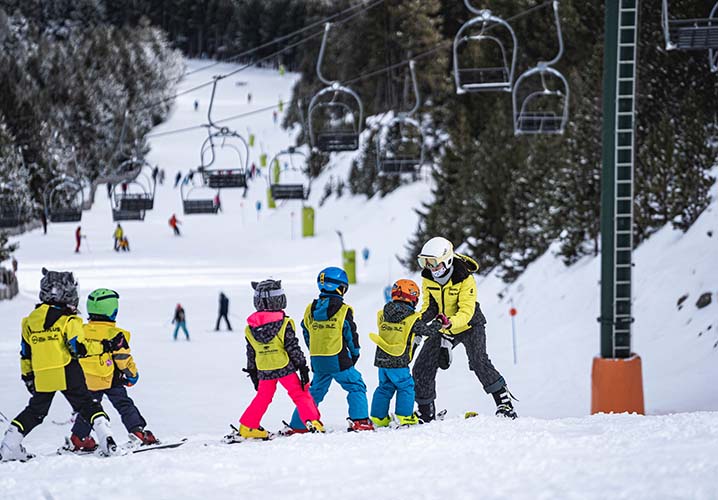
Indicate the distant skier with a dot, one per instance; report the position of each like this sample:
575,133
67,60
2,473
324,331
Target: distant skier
43,221
196,104
217,203
78,239
249,98
174,222
178,178
124,187
223,312
274,356
155,173
400,332
117,235
52,340
125,244
162,176
331,335
449,296
180,322
275,116
14,265
108,374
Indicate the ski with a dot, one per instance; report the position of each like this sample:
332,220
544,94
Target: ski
159,446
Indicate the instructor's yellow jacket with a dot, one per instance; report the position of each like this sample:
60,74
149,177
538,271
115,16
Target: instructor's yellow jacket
51,338
100,368
456,299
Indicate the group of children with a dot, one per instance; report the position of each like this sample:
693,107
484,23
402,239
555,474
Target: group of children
83,361
69,357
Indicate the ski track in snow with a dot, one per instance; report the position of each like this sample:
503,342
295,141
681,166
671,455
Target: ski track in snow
195,389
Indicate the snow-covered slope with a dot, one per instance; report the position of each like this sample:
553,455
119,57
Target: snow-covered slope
196,388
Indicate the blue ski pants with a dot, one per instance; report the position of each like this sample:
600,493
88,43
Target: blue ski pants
351,381
181,324
130,415
393,380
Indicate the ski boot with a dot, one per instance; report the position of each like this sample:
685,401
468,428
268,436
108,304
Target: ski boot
315,426
105,441
406,421
426,413
381,422
288,430
504,407
143,437
76,444
258,433
360,424
11,447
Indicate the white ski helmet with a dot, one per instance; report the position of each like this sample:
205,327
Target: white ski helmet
436,251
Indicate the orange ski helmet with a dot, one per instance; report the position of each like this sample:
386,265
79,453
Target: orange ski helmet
405,291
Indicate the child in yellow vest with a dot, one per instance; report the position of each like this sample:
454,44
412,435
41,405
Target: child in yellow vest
52,341
109,374
400,330
274,356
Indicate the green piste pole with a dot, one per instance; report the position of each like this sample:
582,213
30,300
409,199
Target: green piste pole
608,171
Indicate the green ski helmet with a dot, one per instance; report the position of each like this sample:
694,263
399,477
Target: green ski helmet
103,302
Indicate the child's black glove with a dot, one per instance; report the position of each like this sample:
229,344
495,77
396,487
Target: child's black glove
29,380
254,377
304,376
115,343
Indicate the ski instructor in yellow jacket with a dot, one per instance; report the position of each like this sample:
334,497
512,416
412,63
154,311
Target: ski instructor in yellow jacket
449,297
52,341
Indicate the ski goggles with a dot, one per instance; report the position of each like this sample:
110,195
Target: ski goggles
430,263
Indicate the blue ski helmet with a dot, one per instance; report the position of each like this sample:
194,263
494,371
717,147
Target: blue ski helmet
333,279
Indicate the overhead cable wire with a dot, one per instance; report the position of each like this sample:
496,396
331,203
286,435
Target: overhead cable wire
287,36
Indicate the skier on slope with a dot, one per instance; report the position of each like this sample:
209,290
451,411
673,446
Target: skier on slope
52,340
400,332
274,356
78,238
331,335
180,321
117,235
223,312
108,374
174,224
449,295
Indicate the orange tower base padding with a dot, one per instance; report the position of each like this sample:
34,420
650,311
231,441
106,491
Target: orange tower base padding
617,385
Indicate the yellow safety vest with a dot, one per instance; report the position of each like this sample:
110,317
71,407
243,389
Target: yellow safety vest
100,368
325,336
50,353
272,355
394,337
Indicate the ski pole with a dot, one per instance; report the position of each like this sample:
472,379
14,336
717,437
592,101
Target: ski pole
512,313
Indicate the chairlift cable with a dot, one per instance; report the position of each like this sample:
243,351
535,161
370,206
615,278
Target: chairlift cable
287,36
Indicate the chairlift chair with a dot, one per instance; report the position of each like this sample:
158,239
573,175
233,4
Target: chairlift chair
400,144
469,76
286,190
691,34
335,114
128,206
540,95
232,176
63,200
140,195
11,207
198,198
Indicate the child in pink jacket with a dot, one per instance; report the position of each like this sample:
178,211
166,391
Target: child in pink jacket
274,356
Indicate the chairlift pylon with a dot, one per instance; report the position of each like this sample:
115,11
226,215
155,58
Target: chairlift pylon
691,34
336,113
287,190
63,199
469,76
543,107
400,143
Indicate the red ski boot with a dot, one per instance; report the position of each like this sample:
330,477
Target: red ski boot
145,437
361,424
76,444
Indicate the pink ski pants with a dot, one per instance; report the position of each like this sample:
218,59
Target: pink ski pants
308,410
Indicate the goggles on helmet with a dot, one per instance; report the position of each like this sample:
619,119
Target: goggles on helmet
430,263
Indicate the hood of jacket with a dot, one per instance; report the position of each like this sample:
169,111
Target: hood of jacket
394,312
265,324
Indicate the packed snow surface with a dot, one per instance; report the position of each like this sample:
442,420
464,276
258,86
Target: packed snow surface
196,389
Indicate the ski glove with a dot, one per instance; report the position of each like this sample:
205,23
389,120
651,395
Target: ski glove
129,380
445,322
304,376
115,343
29,380
254,377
